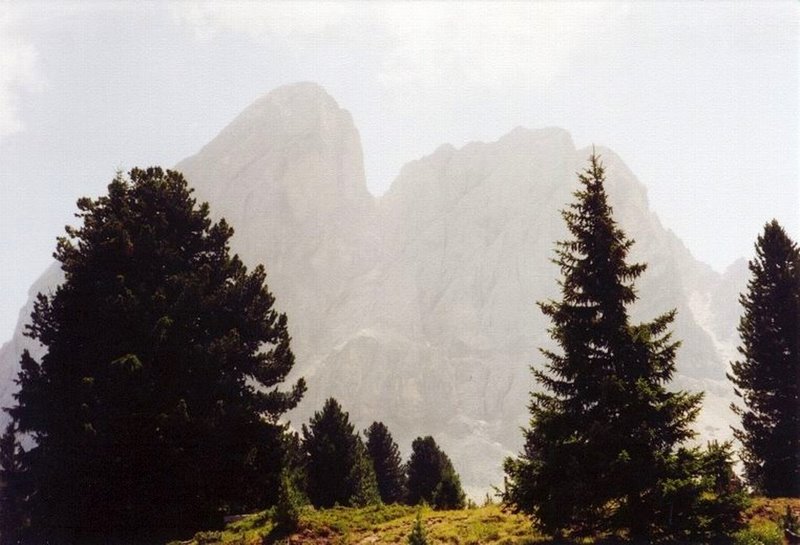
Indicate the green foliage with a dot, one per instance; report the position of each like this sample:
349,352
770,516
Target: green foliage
381,525
448,493
790,521
762,533
337,468
391,524
417,535
13,495
349,520
702,497
432,478
600,452
388,464
155,408
724,498
364,482
766,378
289,504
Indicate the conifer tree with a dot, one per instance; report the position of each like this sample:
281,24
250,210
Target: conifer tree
363,480
767,378
448,494
600,449
156,407
289,504
337,468
12,494
432,478
388,464
417,535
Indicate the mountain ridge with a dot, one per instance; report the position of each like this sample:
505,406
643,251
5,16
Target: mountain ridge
418,307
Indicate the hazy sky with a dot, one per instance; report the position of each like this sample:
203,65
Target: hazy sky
700,100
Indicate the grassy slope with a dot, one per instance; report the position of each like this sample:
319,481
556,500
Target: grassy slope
382,525
379,525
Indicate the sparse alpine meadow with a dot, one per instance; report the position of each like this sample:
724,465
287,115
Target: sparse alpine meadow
488,525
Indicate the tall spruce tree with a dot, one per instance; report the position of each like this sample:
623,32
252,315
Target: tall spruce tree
337,467
388,464
155,408
432,478
767,378
600,448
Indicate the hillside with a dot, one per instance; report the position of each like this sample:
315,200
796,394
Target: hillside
385,525
377,525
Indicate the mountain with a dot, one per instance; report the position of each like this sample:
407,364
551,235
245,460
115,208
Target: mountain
11,351
418,308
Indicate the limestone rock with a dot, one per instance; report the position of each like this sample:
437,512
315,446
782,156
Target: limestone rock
419,308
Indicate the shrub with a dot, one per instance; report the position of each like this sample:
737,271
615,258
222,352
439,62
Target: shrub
417,535
764,533
290,503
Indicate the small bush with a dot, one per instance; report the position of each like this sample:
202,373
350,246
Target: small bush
207,538
790,521
417,535
763,533
290,502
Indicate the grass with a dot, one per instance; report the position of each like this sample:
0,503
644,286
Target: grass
763,521
378,525
490,525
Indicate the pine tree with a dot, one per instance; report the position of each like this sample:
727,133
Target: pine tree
337,468
432,478
388,464
767,378
599,451
156,406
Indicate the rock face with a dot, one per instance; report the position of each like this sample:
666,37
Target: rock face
419,308
288,174
11,351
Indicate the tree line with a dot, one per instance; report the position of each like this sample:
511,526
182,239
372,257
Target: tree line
157,407
336,467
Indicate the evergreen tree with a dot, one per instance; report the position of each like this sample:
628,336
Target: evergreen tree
289,504
767,378
417,535
337,468
723,498
705,498
600,449
448,493
386,460
155,408
432,478
363,479
12,494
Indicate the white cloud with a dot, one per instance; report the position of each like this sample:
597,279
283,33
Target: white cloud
426,47
489,44
18,72
261,20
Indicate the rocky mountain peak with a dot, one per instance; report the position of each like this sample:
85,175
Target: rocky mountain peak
298,126
419,308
